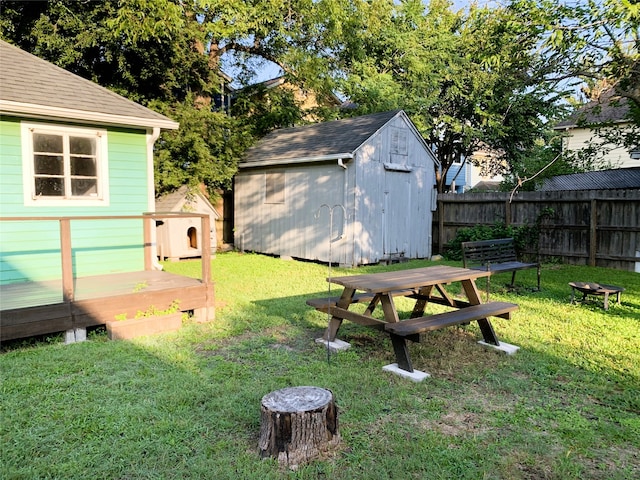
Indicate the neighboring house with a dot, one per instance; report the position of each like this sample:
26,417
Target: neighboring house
607,111
69,147
475,173
306,99
617,179
180,237
373,176
224,99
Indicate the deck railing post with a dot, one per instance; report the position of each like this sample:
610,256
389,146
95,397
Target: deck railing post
205,227
147,221
67,259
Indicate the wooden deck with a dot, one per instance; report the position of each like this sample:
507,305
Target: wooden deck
35,308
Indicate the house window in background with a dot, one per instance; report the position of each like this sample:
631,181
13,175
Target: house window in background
64,165
274,187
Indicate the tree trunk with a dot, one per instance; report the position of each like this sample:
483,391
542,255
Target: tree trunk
297,424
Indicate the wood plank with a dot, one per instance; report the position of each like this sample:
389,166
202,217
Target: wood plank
455,317
354,317
33,308
325,302
51,325
22,316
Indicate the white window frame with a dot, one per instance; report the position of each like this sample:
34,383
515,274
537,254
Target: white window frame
28,171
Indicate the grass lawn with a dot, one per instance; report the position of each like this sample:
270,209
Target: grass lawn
187,404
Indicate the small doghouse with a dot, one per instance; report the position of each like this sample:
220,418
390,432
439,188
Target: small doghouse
181,237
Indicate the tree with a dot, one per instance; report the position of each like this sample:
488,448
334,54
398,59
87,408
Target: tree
467,79
167,55
593,43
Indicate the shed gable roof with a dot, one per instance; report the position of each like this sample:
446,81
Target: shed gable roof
327,140
32,87
621,178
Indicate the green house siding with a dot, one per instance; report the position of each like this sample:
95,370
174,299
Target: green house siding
30,251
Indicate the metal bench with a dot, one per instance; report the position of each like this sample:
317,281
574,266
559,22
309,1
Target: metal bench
412,328
496,256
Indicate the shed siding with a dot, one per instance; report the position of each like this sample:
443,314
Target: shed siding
31,250
405,220
300,227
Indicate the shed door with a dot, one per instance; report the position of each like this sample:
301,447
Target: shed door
395,216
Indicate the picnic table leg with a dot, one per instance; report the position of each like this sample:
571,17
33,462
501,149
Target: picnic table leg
486,328
445,295
335,322
421,303
389,308
399,344
487,332
402,353
372,305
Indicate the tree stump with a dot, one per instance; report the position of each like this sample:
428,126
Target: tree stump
297,424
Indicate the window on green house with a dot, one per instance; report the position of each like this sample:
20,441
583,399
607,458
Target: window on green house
64,163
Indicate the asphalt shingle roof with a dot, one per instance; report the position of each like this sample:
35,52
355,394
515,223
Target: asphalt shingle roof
28,83
605,109
621,178
318,140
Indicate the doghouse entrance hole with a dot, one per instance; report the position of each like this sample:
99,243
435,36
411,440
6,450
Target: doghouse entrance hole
192,235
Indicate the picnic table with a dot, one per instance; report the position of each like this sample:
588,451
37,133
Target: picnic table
425,285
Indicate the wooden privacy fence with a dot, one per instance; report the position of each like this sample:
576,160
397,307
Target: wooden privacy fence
596,228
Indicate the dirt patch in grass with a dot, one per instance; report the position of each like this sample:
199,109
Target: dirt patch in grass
457,423
608,462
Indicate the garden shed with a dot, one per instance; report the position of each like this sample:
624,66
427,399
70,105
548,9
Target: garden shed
353,191
179,237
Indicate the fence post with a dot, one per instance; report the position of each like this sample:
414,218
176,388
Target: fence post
440,227
593,233
507,213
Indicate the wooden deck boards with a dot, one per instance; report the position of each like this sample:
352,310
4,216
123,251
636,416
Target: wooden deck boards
34,308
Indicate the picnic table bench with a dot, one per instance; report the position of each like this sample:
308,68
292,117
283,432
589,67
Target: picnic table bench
495,256
412,328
